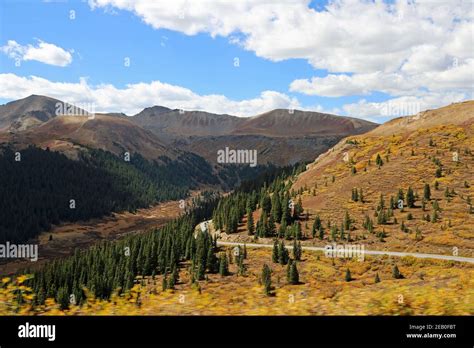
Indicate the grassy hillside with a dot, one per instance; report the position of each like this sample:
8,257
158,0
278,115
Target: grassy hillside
440,156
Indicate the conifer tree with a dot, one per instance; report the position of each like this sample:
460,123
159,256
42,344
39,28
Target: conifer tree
410,198
333,232
381,205
276,207
434,216
223,266
401,195
298,209
348,276
321,232
316,225
427,192
250,223
275,252
347,221
297,250
270,230
396,273
266,204
212,261
378,161
266,279
282,228
282,254
293,274
241,265
164,283
297,234
377,278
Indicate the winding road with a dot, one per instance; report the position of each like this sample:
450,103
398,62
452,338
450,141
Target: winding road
366,252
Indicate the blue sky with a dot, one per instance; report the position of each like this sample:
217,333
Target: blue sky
101,37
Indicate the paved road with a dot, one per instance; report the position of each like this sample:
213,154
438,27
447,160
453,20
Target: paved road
367,252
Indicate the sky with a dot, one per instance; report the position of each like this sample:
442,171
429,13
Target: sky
374,60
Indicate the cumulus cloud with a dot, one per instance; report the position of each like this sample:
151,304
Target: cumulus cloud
381,37
402,106
411,50
134,97
43,52
456,76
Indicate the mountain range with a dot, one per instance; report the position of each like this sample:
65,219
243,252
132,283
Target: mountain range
281,137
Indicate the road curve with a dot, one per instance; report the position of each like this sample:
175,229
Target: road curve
367,252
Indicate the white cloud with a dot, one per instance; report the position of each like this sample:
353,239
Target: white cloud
455,77
43,52
407,49
134,97
402,106
380,37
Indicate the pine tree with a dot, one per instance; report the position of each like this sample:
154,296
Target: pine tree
223,266
378,161
164,283
381,203
211,261
266,204
250,223
355,195
427,192
377,278
276,207
316,225
266,279
282,254
171,282
348,276
62,298
434,216
342,235
298,210
321,232
396,273
410,198
297,231
401,195
297,250
435,205
282,229
270,230
333,233
293,276
347,221
275,251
